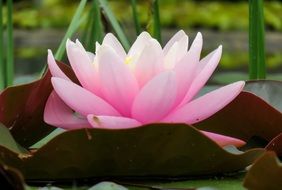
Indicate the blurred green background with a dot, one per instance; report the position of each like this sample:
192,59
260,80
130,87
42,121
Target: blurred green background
41,24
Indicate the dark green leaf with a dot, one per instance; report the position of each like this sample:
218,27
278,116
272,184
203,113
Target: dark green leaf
7,140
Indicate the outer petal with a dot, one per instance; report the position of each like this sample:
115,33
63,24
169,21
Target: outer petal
142,40
58,114
177,37
80,99
149,63
156,98
118,84
83,67
54,68
222,140
113,42
203,75
110,122
205,106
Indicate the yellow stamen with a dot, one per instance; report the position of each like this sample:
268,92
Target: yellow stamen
128,60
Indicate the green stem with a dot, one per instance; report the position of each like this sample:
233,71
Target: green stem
10,45
157,23
135,17
257,69
2,67
117,28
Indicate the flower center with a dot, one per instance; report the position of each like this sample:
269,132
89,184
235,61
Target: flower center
128,60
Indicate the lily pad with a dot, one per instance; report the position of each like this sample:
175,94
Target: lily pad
268,90
266,173
276,145
8,141
156,151
10,178
22,108
245,117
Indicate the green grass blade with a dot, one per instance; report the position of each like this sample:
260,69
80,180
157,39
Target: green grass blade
96,29
156,20
117,28
10,45
75,22
85,33
257,69
2,66
135,17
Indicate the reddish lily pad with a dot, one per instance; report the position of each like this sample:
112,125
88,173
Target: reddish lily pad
10,178
276,145
22,108
154,151
268,90
266,173
245,117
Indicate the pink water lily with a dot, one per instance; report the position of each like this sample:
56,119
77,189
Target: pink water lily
147,84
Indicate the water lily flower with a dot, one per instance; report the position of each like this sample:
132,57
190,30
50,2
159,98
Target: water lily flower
147,84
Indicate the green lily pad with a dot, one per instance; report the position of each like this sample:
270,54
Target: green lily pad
22,108
266,173
7,140
276,145
268,90
245,117
156,151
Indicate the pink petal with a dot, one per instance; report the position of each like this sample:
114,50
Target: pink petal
222,140
83,67
203,62
58,114
196,46
149,63
80,99
156,98
54,68
176,52
118,84
185,73
110,122
205,106
139,44
177,37
113,42
203,76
